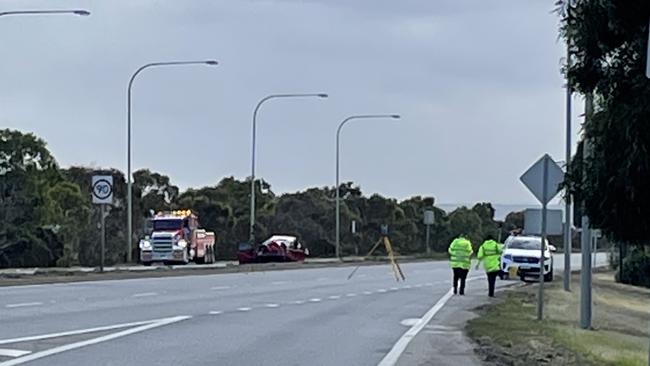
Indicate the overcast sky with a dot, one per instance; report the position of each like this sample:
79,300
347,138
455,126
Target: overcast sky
478,84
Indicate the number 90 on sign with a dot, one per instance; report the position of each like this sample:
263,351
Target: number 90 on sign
102,189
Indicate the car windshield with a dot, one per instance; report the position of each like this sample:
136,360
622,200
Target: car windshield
527,244
167,224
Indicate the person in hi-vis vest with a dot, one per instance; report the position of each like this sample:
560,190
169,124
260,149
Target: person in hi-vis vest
490,254
460,253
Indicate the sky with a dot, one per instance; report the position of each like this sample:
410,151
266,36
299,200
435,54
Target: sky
477,83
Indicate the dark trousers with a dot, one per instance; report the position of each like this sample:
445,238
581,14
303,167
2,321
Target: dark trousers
460,274
492,279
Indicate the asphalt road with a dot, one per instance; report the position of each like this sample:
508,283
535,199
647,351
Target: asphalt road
293,317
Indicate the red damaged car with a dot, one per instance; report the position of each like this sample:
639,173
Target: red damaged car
278,248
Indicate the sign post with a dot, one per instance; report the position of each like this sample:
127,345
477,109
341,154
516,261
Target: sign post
543,179
102,192
428,221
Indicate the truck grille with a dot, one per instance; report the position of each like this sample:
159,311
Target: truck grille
162,244
525,259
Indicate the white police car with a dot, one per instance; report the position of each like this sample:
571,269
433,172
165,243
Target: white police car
521,255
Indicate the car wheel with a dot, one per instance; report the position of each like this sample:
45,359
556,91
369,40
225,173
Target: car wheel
549,276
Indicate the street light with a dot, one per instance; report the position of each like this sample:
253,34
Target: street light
338,198
257,108
129,219
80,12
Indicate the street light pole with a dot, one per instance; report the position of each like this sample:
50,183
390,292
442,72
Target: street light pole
251,236
46,12
337,188
568,243
129,214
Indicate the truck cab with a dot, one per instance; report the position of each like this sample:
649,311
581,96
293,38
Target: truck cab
176,238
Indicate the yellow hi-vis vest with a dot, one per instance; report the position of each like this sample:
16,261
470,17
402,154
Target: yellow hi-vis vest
490,253
460,253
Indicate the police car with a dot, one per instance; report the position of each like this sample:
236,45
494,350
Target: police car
521,255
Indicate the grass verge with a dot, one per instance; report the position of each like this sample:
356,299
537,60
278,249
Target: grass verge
507,332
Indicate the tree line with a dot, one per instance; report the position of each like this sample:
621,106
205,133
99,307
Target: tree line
609,174
48,219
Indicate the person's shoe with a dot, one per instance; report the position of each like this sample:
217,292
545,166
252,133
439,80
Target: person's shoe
455,291
462,293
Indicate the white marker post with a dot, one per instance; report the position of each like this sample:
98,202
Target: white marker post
102,191
543,179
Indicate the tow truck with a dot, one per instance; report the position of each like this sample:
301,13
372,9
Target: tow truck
175,238
277,248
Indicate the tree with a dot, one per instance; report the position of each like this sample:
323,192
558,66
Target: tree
464,221
608,42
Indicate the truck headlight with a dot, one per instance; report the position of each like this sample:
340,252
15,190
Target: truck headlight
145,245
182,243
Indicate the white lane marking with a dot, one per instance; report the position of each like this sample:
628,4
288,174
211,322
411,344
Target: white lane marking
381,290
145,294
315,299
23,305
393,289
215,312
418,285
428,284
217,288
391,357
239,309
13,352
351,294
409,322
88,342
78,331
298,302
334,297
367,293
272,305
407,286
279,282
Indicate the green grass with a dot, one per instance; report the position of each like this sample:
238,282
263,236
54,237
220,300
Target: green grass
617,341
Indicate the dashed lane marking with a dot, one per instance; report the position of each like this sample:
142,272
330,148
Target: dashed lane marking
217,288
244,309
272,305
334,297
350,295
145,294
315,299
23,305
215,312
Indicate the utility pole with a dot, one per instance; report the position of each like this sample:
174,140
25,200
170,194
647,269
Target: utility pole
568,244
585,240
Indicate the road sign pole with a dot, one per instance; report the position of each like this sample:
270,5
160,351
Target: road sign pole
103,237
428,235
540,297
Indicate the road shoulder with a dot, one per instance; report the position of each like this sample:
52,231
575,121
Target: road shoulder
507,332
443,341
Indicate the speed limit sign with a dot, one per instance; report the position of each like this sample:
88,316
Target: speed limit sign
102,189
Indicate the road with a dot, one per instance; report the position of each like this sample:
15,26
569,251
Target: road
291,317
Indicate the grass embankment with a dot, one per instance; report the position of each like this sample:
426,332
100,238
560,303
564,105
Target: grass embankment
507,332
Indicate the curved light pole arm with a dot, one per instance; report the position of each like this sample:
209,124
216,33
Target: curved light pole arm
251,237
337,188
46,12
129,213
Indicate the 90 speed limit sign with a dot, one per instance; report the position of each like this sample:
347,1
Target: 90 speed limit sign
102,189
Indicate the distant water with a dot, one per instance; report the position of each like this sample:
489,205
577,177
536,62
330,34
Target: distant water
500,210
